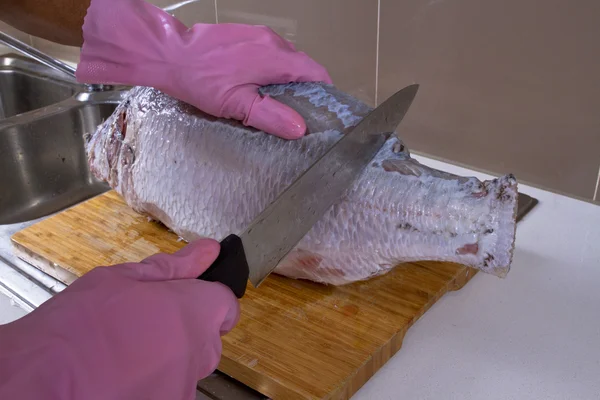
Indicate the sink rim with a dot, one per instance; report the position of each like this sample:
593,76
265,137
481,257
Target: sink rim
16,62
81,93
78,99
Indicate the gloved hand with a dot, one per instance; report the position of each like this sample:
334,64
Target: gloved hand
146,330
217,68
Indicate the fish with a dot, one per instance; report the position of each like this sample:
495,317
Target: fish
202,176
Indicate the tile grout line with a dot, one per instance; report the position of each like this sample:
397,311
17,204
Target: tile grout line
377,53
216,13
595,198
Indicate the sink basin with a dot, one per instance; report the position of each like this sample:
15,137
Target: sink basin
27,85
43,165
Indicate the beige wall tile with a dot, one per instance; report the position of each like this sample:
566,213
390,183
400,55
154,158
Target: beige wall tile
340,34
59,51
506,86
17,34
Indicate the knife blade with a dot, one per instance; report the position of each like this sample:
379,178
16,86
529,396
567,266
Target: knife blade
256,252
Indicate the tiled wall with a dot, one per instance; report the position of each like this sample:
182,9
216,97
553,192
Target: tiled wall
506,86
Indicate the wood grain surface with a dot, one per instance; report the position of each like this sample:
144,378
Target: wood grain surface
296,339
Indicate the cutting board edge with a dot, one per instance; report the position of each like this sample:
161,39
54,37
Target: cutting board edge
38,261
351,385
386,351
265,385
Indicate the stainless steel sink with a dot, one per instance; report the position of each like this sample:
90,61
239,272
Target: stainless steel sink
43,166
26,85
44,114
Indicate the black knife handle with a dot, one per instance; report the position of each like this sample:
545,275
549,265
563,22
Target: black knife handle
230,268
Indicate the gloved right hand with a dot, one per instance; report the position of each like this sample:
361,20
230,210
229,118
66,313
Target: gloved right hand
217,68
146,330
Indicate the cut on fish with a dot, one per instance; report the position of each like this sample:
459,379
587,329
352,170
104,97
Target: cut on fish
203,176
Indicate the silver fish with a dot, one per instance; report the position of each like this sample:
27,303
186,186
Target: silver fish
207,177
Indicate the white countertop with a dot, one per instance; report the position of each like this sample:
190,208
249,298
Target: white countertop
533,335
9,310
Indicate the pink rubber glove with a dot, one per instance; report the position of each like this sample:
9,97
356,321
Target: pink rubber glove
218,68
144,330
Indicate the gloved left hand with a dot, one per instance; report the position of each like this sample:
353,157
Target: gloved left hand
217,68
146,330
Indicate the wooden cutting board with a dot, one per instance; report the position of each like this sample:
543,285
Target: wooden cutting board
296,339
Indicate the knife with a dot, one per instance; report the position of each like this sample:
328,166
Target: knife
256,252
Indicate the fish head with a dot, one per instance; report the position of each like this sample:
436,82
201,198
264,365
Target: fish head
109,146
